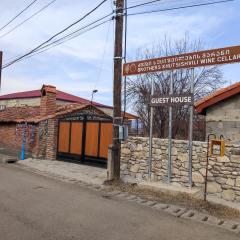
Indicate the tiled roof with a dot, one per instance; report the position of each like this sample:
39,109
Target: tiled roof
14,113
216,97
60,96
32,114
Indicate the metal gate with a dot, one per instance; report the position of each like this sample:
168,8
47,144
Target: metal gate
84,140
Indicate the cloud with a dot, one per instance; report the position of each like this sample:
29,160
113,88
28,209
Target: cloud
75,66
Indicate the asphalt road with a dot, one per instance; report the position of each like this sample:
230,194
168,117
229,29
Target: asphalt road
34,207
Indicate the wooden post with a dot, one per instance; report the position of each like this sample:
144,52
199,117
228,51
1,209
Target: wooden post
117,85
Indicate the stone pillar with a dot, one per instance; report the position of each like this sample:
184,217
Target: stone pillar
48,100
52,138
48,129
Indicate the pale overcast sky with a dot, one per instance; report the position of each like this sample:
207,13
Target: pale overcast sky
75,66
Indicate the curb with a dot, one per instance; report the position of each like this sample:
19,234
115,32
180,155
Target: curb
7,159
180,212
174,210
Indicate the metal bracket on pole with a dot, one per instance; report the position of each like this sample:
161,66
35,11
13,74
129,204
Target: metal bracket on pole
150,136
191,132
118,58
170,133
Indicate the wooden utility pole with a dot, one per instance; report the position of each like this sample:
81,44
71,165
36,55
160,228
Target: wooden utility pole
117,88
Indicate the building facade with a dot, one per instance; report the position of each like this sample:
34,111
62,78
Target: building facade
50,130
222,111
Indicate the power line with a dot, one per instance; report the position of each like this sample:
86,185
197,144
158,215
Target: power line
64,38
182,7
18,14
49,46
33,15
143,4
79,34
57,34
69,36
103,57
76,33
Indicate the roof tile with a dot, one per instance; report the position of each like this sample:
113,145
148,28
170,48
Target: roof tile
216,97
60,96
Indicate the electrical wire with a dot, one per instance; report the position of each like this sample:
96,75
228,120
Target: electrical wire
46,48
65,38
27,19
70,36
103,57
142,4
28,6
76,31
57,34
182,7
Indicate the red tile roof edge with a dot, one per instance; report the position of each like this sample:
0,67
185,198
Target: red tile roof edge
216,97
39,119
60,96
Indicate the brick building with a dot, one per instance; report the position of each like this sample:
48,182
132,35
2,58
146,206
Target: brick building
222,111
50,129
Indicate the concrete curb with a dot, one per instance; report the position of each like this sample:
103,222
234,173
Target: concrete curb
7,159
181,212
173,210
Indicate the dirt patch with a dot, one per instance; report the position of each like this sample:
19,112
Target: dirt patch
180,199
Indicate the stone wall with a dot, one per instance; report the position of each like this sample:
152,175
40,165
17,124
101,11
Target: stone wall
224,172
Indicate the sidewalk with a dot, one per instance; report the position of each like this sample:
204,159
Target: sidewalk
96,176
65,170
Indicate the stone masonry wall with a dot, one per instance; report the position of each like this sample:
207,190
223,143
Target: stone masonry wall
223,175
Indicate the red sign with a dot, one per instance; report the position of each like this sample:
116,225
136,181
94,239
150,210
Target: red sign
188,60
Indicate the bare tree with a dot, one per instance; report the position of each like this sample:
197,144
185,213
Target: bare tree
207,79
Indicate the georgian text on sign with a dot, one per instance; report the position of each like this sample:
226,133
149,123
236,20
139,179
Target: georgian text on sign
188,60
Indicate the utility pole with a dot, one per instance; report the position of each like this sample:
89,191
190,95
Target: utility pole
117,88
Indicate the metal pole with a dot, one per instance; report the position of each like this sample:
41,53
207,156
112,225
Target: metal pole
206,174
170,133
191,131
23,141
150,136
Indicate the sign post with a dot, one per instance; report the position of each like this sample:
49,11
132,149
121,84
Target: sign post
191,131
150,135
170,132
191,60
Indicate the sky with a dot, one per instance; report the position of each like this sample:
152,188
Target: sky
86,62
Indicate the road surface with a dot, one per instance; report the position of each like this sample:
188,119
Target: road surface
34,207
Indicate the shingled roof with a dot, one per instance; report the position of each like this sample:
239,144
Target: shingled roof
60,96
14,113
216,97
32,114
